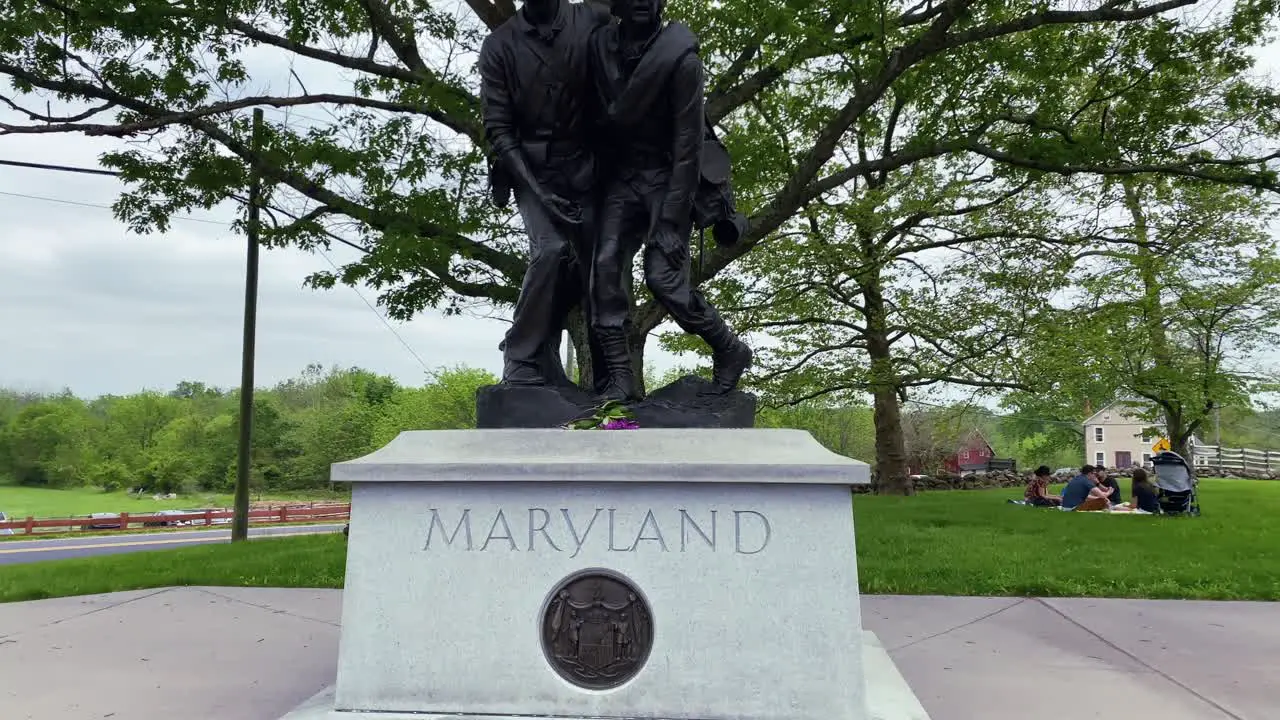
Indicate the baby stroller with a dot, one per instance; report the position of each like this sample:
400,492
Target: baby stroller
1176,484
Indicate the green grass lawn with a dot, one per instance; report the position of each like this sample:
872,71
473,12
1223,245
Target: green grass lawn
945,543
973,543
18,502
307,561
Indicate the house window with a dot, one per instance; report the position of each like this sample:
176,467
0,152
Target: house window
1099,459
1146,436
1097,433
1146,458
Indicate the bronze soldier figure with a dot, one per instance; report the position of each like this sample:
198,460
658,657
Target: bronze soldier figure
651,86
534,91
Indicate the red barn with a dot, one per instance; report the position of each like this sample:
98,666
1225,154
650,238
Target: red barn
975,454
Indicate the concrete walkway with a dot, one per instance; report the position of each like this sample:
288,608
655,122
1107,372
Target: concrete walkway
253,654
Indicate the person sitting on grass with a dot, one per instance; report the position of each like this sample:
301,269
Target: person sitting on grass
1037,492
1084,493
1145,497
1105,480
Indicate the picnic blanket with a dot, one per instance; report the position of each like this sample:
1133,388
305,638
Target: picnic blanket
1110,511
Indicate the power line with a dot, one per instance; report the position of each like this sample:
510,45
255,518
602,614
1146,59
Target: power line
97,206
113,173
384,320
60,168
78,203
323,254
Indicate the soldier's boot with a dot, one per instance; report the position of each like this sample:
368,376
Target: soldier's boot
621,383
522,373
518,372
730,357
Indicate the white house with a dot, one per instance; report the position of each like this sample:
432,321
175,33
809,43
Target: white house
1117,437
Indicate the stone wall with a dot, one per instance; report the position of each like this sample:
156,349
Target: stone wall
1010,479
1210,471
966,481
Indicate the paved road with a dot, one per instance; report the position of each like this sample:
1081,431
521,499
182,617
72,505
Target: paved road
22,551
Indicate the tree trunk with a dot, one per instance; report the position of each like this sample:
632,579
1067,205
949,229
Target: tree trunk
637,362
584,371
891,454
636,342
637,328
1147,263
1178,433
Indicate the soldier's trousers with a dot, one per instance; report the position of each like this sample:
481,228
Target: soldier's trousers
626,219
555,281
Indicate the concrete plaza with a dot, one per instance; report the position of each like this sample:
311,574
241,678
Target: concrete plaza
255,653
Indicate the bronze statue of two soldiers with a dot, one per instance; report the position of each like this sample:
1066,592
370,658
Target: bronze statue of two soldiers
596,124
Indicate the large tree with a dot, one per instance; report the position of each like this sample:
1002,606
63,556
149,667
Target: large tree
913,283
1177,295
398,168
939,271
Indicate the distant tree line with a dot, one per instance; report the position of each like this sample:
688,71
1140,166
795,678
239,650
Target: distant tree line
184,440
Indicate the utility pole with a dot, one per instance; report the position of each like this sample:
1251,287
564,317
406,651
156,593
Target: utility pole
1217,424
240,523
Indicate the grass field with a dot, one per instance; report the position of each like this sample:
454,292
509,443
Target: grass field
944,543
972,543
307,561
19,502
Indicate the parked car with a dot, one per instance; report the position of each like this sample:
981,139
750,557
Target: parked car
4,519
102,521
169,523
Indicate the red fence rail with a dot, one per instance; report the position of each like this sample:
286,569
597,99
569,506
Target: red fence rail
262,516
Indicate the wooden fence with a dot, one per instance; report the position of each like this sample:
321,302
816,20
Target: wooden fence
1241,461
990,465
122,521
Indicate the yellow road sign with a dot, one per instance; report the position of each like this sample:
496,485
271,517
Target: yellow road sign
1162,445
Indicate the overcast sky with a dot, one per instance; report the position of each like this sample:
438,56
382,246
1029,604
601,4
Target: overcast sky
87,305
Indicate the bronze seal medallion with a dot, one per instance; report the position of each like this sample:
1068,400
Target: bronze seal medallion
597,630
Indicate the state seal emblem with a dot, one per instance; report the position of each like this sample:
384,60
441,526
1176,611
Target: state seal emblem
597,630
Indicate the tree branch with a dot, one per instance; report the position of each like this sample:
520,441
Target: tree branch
184,117
46,118
492,14
1186,169
401,39
467,104
1108,12
380,220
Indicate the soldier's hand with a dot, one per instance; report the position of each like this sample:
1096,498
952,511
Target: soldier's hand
500,195
566,211
671,242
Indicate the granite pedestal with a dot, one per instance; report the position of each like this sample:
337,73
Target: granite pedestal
729,587
690,402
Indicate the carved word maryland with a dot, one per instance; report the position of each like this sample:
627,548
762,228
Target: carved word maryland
745,532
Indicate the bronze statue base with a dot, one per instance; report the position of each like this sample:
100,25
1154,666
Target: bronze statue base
681,404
